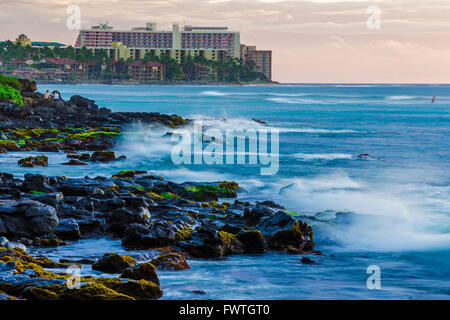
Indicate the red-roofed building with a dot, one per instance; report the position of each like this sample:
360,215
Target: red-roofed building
16,64
146,71
75,69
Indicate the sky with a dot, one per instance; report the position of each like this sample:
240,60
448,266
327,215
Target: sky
312,41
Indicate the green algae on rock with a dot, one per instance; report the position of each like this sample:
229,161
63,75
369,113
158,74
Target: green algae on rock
37,161
173,261
113,263
145,271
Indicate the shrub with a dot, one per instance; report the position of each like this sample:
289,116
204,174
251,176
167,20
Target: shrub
8,92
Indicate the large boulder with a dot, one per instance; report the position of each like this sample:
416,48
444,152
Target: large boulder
95,188
173,261
255,215
253,241
145,271
273,223
27,85
5,243
81,101
31,161
283,231
53,199
210,243
121,218
27,218
68,229
103,156
113,263
37,182
158,234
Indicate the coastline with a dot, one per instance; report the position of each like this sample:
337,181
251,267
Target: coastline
160,83
178,221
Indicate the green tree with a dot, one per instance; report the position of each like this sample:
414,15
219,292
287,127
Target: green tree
172,67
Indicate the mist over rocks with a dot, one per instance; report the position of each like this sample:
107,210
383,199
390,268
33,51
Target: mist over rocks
178,221
155,215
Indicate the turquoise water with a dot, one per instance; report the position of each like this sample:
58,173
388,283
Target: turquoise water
401,191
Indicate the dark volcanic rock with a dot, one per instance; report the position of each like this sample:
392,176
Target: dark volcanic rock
173,261
253,241
158,234
31,161
113,263
86,187
26,218
145,271
306,260
37,182
212,243
255,215
121,218
68,229
74,162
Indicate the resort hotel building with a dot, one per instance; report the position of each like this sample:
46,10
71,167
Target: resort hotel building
214,43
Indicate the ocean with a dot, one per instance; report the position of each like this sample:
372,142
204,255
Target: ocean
400,190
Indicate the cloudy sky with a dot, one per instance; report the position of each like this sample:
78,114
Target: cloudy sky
311,40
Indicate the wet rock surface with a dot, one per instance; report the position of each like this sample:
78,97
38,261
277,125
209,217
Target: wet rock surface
154,216
179,220
77,112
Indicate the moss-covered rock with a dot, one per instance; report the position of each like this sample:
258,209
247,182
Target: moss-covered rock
25,262
113,263
154,195
205,196
169,195
183,234
38,161
285,238
229,185
9,145
49,243
36,293
140,289
128,174
145,271
93,291
299,236
103,156
173,261
209,243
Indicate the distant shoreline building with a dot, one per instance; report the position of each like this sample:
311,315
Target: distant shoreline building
25,41
258,60
128,48
213,43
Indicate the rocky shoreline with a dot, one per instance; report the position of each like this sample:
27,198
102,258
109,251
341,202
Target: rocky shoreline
143,210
